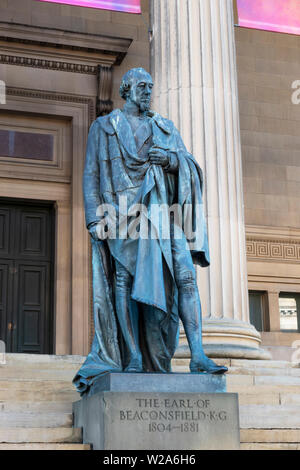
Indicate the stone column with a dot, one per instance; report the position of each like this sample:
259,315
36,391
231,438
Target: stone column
194,70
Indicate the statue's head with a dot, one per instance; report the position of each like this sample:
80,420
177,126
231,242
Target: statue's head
136,87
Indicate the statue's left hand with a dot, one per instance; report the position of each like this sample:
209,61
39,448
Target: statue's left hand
158,156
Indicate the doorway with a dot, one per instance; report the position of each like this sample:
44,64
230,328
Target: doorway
26,276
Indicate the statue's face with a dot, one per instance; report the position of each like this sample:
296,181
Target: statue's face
140,92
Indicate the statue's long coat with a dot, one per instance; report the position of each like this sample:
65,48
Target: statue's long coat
114,168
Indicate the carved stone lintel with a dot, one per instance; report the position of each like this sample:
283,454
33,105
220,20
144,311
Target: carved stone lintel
54,64
108,49
54,96
104,103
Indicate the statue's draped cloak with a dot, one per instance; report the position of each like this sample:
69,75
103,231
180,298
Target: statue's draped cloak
116,167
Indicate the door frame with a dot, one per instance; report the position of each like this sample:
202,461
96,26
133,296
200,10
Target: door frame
72,277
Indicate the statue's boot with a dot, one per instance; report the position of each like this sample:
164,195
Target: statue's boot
127,314
191,317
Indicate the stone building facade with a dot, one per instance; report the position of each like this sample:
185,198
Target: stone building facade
61,67
268,66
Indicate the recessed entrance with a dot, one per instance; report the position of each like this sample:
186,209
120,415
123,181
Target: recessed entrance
26,276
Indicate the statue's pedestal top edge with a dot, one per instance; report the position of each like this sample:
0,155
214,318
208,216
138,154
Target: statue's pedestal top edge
159,383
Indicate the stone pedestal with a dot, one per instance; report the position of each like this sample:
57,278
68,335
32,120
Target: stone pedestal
193,65
159,412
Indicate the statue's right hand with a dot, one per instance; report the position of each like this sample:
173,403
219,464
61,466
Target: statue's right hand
93,232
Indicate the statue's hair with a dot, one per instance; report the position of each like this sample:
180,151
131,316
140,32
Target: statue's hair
127,80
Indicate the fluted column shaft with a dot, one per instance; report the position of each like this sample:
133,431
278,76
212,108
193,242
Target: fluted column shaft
194,70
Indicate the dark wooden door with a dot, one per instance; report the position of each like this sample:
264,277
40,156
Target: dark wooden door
26,275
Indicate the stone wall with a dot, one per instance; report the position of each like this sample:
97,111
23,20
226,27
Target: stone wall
268,64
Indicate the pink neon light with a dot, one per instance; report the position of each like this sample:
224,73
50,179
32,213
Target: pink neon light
127,6
271,15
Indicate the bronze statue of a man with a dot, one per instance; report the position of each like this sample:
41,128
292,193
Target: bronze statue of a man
142,285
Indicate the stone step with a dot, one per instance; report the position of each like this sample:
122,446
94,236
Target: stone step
66,385
40,435
37,374
62,390
269,446
45,446
244,363
263,371
243,372
262,380
239,383
290,372
270,416
33,419
41,407
67,395
231,380
45,359
186,361
290,398
275,398
37,390
252,370
68,374
276,380
263,389
275,436
249,363
36,385
180,369
52,361
259,398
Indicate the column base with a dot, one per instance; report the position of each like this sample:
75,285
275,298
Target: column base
227,339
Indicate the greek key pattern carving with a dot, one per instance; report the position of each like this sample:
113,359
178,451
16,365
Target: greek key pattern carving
281,250
48,64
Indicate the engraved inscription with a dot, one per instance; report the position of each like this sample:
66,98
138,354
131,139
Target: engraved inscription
182,415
